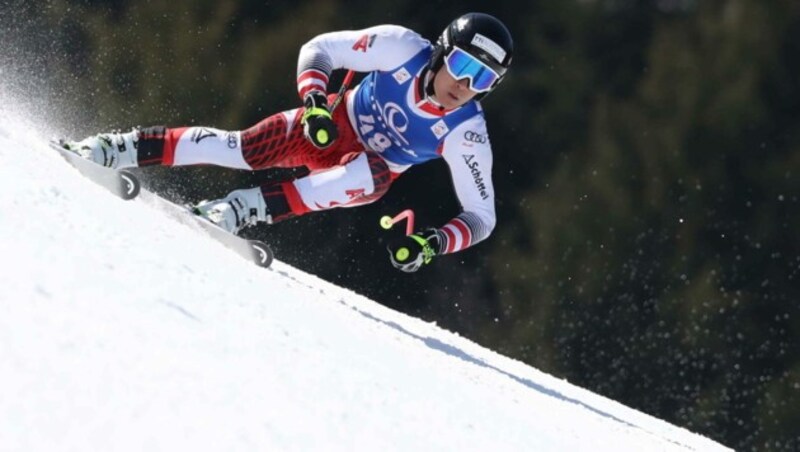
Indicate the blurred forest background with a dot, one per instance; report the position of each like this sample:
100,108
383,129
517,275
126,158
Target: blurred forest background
647,170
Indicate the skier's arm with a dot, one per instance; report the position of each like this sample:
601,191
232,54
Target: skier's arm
379,48
468,153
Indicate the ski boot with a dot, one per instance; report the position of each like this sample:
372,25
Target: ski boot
113,150
241,208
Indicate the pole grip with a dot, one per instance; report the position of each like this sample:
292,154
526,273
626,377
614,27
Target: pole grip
387,221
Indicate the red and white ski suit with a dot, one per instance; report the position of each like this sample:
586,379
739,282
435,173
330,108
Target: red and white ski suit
373,147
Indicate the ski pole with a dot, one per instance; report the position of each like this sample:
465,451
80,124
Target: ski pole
387,221
340,95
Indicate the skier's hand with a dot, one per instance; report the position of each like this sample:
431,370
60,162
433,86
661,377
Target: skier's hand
409,253
318,125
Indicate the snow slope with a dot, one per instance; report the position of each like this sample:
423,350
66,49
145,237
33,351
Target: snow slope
121,329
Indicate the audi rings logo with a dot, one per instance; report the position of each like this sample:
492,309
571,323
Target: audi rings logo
475,137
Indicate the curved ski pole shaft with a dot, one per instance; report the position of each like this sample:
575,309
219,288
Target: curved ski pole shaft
387,222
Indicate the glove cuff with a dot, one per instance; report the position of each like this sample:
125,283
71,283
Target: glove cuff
434,238
315,99
430,241
316,104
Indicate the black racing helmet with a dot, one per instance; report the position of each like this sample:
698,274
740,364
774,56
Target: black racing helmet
482,37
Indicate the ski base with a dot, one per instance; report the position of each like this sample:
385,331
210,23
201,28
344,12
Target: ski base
122,183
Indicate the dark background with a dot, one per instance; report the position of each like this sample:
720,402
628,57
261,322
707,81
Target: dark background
646,168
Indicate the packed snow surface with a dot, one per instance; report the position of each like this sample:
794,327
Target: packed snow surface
123,329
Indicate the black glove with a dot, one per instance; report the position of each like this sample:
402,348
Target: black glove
318,125
409,253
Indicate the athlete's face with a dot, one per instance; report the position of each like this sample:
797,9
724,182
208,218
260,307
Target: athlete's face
449,92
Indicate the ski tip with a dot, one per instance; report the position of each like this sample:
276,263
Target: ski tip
57,143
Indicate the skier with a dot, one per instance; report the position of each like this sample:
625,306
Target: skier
418,102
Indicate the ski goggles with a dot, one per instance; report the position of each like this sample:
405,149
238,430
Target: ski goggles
461,64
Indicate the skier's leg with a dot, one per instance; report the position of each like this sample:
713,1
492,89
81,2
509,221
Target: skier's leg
361,179
181,146
275,142
278,141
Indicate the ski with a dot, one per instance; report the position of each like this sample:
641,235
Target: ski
126,185
256,251
122,183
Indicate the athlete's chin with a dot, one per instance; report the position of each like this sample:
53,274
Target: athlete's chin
453,101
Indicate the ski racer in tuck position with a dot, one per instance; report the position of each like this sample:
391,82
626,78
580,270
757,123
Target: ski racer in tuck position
418,102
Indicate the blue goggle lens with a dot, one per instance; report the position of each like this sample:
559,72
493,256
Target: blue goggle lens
461,64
